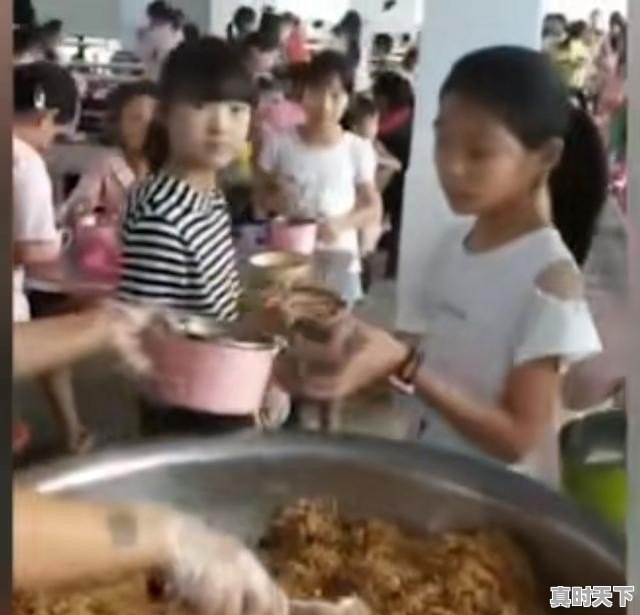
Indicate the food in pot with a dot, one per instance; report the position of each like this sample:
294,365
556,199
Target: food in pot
316,553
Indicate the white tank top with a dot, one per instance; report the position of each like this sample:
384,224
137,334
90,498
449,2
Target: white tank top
485,316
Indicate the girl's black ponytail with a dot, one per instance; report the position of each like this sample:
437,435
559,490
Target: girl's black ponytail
579,184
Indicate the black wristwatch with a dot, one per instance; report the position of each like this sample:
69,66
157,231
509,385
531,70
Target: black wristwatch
403,379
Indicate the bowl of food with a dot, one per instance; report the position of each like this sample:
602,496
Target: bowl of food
278,269
318,323
396,524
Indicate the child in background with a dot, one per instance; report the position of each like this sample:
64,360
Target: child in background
363,120
131,110
320,170
275,112
504,304
162,34
45,102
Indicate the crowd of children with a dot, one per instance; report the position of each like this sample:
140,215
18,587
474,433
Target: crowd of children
513,152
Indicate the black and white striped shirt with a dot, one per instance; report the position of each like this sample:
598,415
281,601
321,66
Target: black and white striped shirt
178,249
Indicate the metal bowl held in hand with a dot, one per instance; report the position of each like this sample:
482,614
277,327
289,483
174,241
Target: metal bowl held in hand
283,269
201,364
237,483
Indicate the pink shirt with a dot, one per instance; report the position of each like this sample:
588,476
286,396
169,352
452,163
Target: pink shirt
103,186
33,213
279,115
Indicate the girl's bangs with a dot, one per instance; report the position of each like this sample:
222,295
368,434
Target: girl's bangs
223,88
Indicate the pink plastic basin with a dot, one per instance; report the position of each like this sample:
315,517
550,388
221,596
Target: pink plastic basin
220,376
294,236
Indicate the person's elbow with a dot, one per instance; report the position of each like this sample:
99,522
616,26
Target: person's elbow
516,445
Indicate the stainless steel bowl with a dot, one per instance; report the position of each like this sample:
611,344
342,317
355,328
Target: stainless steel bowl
237,483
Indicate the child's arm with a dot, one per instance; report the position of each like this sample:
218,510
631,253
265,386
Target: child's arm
368,211
507,430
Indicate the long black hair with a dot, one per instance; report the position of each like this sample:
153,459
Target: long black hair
203,71
524,90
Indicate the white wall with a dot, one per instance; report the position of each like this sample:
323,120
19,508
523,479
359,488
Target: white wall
406,16
451,28
92,17
115,18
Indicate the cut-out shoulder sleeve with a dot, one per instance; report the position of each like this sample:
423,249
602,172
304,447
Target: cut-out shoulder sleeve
557,322
562,280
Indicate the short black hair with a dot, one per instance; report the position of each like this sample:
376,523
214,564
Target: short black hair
261,41
244,17
410,59
45,86
383,42
53,27
360,108
328,65
25,38
206,70
394,88
289,18
158,9
191,32
270,27
522,88
120,97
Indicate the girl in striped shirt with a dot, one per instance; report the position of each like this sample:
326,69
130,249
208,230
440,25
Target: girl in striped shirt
177,245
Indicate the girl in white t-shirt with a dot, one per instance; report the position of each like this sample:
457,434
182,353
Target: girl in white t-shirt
504,308
320,170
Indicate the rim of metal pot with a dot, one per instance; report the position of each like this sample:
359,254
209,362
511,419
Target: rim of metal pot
503,487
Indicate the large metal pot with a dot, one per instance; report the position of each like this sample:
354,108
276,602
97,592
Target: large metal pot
237,482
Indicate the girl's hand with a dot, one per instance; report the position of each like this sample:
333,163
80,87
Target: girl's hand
375,355
125,324
329,230
217,574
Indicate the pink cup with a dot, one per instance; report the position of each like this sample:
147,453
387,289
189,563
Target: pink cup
294,236
97,248
218,376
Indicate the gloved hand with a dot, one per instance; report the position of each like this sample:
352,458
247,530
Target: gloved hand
218,575
126,323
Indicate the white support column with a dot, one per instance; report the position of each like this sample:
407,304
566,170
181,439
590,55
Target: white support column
450,29
633,411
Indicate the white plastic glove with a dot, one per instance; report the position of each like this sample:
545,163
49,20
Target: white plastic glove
218,575
127,322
